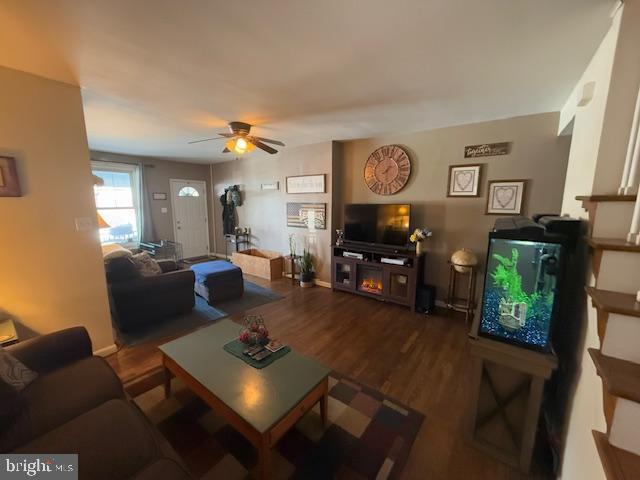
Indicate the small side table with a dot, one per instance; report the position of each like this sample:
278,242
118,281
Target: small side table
466,305
292,265
236,239
8,333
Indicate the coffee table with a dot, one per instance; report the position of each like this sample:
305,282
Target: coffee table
261,404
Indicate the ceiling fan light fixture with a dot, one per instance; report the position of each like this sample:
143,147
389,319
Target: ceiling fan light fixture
239,141
239,145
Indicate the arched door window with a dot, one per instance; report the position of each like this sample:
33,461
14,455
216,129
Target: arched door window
188,192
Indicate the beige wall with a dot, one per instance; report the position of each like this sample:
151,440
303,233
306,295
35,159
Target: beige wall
264,211
538,155
158,172
52,276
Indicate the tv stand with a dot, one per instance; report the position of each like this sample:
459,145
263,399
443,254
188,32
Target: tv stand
386,274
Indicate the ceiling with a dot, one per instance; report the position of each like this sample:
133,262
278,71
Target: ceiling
158,73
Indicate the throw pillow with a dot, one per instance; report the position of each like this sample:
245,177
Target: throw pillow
147,266
14,372
113,250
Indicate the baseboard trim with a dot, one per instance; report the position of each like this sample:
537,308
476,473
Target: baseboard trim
320,283
106,351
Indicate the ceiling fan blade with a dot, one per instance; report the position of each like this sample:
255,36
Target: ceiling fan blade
203,140
222,135
226,150
268,140
263,146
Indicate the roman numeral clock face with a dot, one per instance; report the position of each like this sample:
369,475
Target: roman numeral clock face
387,170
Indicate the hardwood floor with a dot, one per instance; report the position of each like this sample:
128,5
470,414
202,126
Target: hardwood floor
421,361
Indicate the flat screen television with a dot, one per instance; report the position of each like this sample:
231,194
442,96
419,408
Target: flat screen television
377,224
522,285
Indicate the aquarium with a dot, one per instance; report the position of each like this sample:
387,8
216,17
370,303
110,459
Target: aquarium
521,286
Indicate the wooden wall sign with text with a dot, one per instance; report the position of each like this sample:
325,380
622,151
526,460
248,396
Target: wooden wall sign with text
487,150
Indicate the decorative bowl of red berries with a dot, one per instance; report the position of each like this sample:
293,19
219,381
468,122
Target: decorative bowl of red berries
253,331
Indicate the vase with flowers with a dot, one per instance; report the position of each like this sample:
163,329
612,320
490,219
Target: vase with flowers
418,236
254,331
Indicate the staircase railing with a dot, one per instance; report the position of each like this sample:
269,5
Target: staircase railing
631,173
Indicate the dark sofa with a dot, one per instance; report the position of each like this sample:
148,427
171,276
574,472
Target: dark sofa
77,405
138,301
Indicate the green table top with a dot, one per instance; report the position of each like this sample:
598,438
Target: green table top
260,396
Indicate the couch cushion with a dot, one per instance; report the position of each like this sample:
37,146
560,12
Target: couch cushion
59,396
10,405
164,469
121,269
217,268
113,441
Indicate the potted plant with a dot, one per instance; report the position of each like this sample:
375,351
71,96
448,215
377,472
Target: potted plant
305,264
292,245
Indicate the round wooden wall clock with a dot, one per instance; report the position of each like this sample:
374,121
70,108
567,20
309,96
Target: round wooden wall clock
387,170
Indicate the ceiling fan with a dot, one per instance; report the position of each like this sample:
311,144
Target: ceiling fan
241,142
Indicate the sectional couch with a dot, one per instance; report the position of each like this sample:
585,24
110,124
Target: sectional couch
77,405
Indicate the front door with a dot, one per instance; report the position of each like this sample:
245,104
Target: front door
190,221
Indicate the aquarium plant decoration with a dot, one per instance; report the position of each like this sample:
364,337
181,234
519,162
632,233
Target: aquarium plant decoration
513,309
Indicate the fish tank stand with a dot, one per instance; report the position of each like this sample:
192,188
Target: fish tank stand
505,399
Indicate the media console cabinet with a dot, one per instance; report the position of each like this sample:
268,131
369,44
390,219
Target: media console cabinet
372,278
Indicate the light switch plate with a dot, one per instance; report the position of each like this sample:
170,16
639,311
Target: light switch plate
84,223
164,210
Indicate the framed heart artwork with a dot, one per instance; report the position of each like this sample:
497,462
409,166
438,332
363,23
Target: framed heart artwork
464,180
505,197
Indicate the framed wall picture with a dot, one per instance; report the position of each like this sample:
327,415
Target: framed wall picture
307,184
464,180
307,215
9,182
159,196
505,197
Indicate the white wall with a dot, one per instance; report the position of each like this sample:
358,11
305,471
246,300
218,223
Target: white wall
588,122
581,459
52,276
625,79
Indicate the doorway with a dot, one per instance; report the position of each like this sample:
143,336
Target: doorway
190,218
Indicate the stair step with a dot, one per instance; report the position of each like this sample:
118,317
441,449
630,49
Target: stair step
614,302
615,244
606,198
622,378
618,464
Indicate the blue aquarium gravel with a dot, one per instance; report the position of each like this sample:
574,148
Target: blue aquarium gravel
535,332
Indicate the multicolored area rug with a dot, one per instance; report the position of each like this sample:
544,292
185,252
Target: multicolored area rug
368,436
